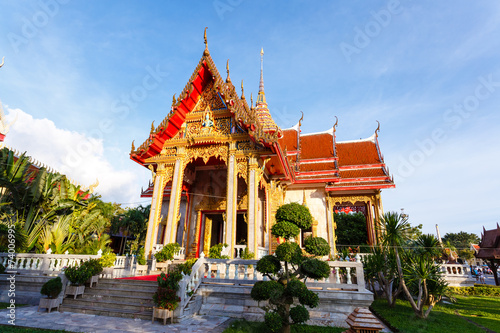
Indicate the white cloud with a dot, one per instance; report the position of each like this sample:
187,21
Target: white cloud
74,154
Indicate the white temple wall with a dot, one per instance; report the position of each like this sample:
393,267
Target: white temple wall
316,202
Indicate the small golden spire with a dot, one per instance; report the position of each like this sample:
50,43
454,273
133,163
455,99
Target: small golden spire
173,100
251,100
133,147
228,79
153,126
242,91
206,43
301,118
378,128
336,123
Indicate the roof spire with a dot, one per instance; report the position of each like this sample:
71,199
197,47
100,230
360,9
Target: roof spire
206,44
3,61
242,91
261,98
228,79
378,128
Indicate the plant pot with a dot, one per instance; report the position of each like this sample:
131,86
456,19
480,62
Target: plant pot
162,266
163,314
75,290
108,271
93,279
49,304
141,269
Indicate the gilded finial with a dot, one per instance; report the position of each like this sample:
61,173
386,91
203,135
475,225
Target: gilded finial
3,61
251,100
133,147
153,126
301,118
173,100
228,79
205,39
378,128
336,123
242,91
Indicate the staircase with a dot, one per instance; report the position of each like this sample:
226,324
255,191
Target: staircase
115,298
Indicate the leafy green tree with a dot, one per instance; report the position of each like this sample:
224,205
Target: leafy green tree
428,245
351,229
461,240
288,283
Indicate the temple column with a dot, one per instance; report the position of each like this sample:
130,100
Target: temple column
252,204
330,227
156,202
231,200
175,198
369,223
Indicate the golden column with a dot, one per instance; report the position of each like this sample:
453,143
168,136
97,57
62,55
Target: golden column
175,197
160,180
331,225
231,200
253,165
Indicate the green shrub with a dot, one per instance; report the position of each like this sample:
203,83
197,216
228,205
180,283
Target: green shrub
296,214
299,314
285,229
247,255
317,246
295,288
186,266
52,288
264,290
2,269
309,298
77,275
273,321
166,298
477,290
169,281
107,259
141,259
167,252
215,252
93,266
290,252
316,269
269,264
19,236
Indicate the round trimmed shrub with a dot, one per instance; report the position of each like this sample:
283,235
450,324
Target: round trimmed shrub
52,288
264,290
273,321
285,229
309,298
317,246
269,264
77,275
299,314
315,269
290,252
296,214
295,288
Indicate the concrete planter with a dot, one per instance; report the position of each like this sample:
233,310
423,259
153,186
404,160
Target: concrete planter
108,271
75,290
163,314
141,269
162,266
93,279
48,303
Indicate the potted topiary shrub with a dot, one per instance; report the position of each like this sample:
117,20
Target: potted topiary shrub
95,269
164,257
141,265
107,261
165,298
77,276
51,289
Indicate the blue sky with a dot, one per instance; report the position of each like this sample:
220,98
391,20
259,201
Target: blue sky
429,71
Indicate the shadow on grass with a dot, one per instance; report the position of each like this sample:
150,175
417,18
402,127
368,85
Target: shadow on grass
243,326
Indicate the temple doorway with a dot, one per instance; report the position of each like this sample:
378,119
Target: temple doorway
241,229
217,228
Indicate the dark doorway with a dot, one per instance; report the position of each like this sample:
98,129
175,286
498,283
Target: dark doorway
217,235
241,229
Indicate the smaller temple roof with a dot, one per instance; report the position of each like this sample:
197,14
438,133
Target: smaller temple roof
489,247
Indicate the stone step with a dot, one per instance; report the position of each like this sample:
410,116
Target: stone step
111,303
127,284
122,313
99,290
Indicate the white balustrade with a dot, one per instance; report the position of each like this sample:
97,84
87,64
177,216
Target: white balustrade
456,270
238,251
261,252
46,263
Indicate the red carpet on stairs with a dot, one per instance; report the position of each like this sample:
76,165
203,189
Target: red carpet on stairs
142,278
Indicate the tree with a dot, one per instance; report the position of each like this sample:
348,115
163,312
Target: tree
351,229
461,240
288,283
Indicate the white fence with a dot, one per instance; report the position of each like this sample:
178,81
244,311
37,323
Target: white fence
42,263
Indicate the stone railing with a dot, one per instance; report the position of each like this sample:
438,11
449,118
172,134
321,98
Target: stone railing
262,251
238,251
42,263
345,275
181,254
457,275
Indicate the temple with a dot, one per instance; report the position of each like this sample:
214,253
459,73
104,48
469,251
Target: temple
221,167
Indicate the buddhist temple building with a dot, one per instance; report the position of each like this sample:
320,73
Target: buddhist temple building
221,167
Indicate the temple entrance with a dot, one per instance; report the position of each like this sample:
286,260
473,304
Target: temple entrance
217,228
241,229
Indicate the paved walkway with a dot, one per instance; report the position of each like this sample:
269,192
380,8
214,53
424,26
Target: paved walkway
77,322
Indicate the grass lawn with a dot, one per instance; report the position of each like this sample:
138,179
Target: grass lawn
243,326
480,309
10,329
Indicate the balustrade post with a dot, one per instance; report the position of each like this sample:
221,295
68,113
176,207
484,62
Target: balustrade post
348,269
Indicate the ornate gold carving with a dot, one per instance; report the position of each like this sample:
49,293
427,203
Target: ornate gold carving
242,169
205,152
208,234
352,199
245,145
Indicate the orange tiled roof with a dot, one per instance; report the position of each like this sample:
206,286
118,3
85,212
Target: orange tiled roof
316,146
355,153
289,139
358,173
